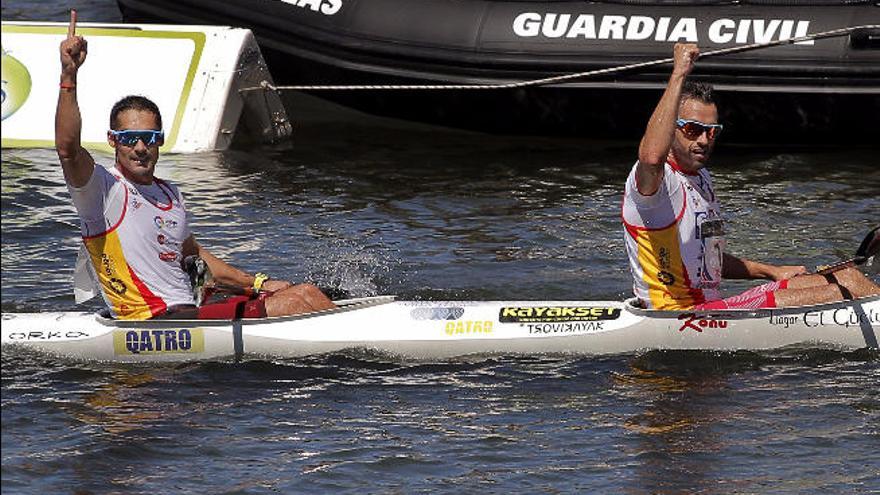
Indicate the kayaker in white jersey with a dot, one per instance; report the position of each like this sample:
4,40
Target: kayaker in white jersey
672,220
134,225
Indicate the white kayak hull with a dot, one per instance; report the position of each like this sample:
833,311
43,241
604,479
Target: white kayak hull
446,329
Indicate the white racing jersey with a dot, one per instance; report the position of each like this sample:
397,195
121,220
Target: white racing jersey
674,239
132,245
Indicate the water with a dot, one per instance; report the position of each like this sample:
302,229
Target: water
373,206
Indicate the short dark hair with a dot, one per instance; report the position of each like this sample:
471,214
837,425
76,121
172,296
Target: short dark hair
134,102
698,91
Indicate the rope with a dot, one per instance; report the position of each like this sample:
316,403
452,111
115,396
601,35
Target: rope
265,85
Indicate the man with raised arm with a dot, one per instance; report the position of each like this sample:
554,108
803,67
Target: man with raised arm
672,220
134,225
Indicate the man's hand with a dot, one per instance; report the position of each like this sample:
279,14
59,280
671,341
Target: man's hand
685,54
786,272
76,162
657,141
73,51
741,268
275,285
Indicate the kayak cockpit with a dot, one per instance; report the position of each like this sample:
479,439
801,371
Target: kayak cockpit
636,307
105,318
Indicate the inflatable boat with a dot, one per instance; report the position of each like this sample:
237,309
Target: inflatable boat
812,85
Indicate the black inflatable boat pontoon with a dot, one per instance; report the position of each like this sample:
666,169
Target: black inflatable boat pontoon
812,88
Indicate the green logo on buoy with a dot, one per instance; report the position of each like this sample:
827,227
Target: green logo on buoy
16,84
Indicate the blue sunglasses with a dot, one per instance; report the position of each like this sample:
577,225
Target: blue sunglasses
693,129
131,137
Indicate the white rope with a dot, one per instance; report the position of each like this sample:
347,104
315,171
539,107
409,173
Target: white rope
265,85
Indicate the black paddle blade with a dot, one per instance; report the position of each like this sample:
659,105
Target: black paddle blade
200,277
870,245
335,293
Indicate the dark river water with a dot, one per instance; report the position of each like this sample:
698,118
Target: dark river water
373,206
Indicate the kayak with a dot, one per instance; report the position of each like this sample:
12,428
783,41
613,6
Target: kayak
446,329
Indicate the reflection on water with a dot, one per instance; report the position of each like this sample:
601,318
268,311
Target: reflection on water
676,431
669,422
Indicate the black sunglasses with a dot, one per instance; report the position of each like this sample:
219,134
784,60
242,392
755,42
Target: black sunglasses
131,137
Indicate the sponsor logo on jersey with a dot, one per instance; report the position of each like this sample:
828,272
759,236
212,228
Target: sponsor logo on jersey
165,223
666,278
117,286
115,283
168,256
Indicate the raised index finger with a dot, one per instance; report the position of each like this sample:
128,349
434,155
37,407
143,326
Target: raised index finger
71,28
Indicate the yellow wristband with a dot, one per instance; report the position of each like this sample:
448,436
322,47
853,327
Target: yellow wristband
259,280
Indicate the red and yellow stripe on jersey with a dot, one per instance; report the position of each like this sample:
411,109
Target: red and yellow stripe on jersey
661,269
136,262
672,240
129,298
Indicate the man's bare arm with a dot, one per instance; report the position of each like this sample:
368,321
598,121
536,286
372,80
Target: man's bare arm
223,272
659,134
740,268
76,162
226,274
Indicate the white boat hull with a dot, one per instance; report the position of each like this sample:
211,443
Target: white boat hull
438,330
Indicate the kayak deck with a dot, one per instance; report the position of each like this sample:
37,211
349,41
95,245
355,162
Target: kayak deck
445,329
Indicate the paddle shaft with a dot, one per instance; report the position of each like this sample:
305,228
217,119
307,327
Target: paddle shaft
869,248
828,269
235,290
